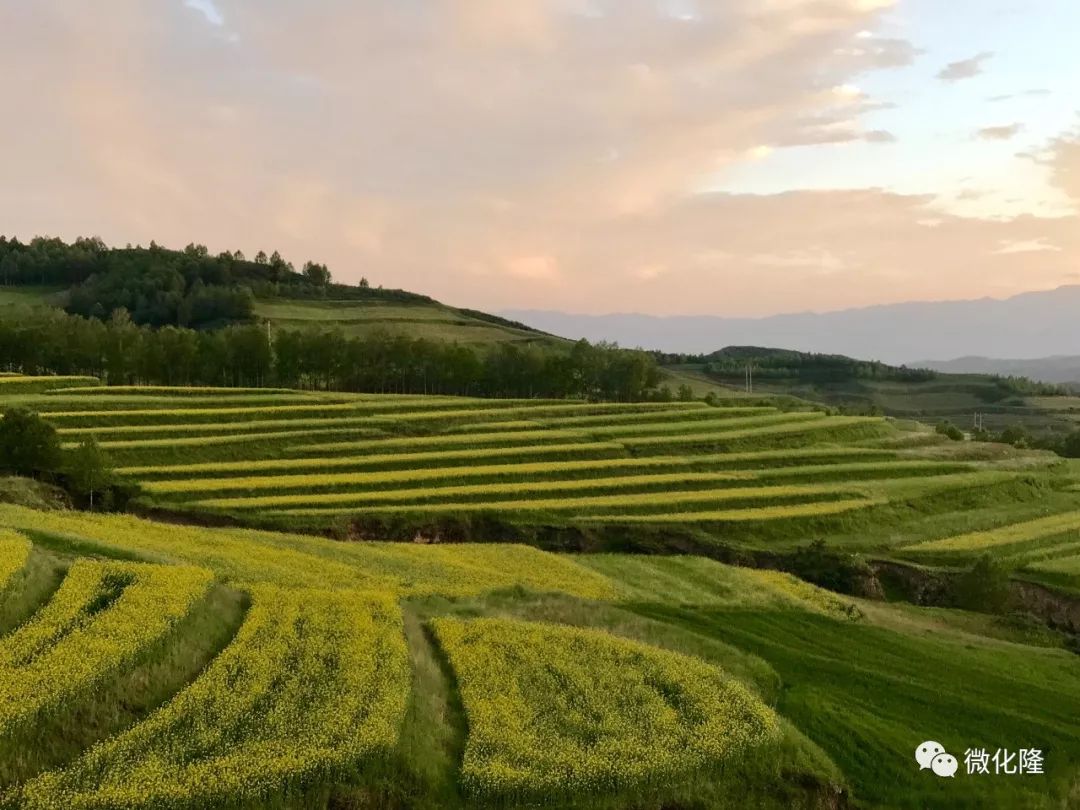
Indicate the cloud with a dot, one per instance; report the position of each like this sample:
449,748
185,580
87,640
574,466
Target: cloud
208,10
1004,132
879,136
542,153
1038,245
1033,93
965,68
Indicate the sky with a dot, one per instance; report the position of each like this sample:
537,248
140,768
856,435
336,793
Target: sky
722,157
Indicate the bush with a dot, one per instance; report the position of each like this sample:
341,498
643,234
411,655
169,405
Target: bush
28,444
985,587
947,428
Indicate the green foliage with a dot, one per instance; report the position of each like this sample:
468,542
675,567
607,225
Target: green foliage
88,470
949,430
984,587
28,444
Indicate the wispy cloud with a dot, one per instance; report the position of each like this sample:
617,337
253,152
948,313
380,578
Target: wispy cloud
1005,132
965,68
208,10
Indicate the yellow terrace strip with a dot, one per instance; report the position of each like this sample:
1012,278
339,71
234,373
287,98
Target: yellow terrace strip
68,647
429,493
659,499
325,462
272,482
688,425
703,412
202,441
315,683
14,552
23,378
253,426
537,409
121,414
267,465
1005,535
303,561
818,425
447,439
818,509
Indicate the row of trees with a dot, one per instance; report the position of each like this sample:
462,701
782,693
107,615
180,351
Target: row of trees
731,363
125,353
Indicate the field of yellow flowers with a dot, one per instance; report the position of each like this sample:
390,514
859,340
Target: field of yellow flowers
591,713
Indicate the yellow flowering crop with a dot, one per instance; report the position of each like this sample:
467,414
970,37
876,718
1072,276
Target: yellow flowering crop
102,617
14,551
555,710
313,687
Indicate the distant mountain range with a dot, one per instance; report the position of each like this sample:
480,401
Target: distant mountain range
1035,325
1060,370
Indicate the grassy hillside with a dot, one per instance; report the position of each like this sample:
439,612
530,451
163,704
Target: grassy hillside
423,319
866,387
739,688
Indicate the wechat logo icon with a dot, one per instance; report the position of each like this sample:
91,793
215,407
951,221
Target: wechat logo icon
933,755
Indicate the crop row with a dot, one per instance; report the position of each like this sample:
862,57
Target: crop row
764,513
682,413
14,552
302,561
492,473
1014,534
664,481
330,493
719,422
313,687
751,459
100,620
555,711
648,501
571,450
825,423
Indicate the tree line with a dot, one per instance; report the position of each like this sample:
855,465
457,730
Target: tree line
122,352
159,287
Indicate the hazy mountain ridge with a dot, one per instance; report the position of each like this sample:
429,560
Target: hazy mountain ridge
1037,325
1058,369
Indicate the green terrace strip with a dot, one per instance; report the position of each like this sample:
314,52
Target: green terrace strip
16,385
387,460
14,552
683,414
102,618
1011,535
819,425
679,426
763,513
623,501
508,425
866,470
452,440
384,478
556,711
203,441
313,688
176,391
480,491
535,408
766,458
254,426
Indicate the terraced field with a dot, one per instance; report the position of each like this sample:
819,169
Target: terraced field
453,676
404,465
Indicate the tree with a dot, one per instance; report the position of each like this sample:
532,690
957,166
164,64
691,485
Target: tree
947,428
88,470
260,257
984,587
28,444
316,273
363,285
1070,446
685,393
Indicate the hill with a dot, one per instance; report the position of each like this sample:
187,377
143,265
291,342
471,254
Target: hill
867,387
1036,324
